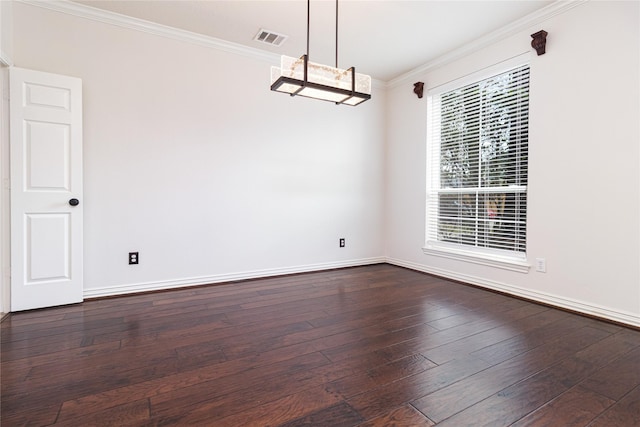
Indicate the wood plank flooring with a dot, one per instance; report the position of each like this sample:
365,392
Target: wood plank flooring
366,346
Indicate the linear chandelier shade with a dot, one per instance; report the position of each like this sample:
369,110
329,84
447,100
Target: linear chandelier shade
300,77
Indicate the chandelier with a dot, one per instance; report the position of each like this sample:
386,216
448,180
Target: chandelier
300,77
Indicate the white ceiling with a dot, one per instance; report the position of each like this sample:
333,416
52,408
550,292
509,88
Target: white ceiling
383,38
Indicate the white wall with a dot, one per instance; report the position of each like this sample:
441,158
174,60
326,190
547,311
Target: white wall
192,161
584,162
6,31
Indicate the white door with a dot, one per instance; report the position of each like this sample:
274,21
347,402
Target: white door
46,189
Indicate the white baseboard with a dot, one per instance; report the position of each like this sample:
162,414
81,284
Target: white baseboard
108,291
553,300
545,298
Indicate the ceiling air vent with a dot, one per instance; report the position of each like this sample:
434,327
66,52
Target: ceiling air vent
270,37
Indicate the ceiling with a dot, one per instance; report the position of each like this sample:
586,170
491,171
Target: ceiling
383,38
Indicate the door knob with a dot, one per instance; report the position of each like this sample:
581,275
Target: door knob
74,202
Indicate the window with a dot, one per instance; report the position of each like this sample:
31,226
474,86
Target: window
477,166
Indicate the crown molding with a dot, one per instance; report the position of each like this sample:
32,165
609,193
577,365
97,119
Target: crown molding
123,21
112,18
535,18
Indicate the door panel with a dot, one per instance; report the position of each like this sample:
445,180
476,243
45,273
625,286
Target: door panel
48,257
46,96
47,156
46,172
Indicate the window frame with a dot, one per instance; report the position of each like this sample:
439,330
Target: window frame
504,259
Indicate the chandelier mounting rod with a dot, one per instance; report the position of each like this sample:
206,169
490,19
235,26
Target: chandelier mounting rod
308,20
308,23
336,33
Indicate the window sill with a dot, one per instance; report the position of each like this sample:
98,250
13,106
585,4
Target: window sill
490,260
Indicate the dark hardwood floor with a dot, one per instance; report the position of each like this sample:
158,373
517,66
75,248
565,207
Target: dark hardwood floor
367,346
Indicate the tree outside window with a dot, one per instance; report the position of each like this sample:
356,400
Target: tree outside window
482,157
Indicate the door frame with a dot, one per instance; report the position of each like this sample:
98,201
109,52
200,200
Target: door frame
5,195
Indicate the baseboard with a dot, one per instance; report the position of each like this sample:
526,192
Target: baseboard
108,291
541,297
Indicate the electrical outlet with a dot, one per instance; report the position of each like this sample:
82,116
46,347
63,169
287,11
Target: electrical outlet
342,244
541,265
133,258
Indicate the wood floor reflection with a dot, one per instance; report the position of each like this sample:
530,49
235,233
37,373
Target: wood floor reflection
377,345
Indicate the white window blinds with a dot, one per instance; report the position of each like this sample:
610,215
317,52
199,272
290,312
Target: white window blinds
477,164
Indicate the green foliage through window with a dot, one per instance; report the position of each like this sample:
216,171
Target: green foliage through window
482,156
